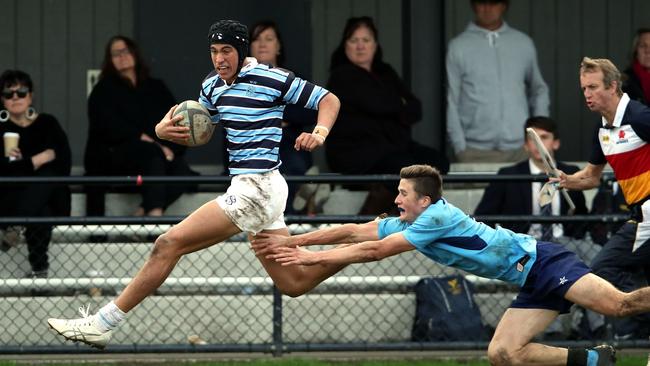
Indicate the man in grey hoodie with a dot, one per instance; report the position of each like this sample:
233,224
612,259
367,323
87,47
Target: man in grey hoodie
494,85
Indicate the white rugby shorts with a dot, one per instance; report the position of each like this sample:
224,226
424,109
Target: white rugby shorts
256,202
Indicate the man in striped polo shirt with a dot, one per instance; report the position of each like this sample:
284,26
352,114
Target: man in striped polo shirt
622,141
249,101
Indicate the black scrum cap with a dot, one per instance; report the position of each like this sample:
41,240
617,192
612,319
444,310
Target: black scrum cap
233,33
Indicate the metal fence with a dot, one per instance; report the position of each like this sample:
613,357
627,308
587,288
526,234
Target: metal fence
220,299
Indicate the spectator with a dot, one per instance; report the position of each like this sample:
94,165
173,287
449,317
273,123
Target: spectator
123,109
373,130
267,48
637,81
522,198
494,84
42,151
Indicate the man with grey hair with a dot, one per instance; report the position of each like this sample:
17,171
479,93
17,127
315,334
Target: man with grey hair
622,141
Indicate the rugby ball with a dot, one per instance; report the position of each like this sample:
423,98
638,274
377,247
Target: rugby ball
197,118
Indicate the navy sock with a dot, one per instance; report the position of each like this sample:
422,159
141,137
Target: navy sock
578,357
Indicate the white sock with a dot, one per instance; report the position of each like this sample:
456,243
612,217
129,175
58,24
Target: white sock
108,317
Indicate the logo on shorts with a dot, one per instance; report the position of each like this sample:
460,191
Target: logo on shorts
231,200
454,286
563,280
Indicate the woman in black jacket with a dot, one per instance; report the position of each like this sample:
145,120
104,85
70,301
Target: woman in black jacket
123,109
43,151
373,129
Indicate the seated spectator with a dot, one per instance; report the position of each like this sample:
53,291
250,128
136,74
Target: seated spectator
267,48
637,82
42,151
123,109
522,198
373,129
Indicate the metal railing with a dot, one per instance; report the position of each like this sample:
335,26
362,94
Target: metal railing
224,297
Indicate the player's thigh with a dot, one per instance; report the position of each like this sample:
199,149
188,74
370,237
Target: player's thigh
296,280
206,226
595,293
270,265
519,326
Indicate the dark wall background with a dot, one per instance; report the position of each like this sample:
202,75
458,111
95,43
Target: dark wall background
58,41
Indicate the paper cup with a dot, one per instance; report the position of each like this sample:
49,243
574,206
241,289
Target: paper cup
11,141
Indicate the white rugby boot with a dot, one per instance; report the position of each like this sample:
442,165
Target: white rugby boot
81,329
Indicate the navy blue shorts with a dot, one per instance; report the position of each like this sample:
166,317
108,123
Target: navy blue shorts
553,273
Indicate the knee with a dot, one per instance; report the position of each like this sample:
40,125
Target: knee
500,354
619,305
625,306
294,288
290,291
295,283
166,246
152,158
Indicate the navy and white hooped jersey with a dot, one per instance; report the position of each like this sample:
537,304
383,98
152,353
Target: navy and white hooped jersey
251,111
448,236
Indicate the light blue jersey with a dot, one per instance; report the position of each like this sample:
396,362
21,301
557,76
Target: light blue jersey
448,236
251,112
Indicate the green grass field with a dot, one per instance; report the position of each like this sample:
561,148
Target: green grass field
623,361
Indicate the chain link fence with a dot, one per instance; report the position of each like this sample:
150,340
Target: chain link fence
221,299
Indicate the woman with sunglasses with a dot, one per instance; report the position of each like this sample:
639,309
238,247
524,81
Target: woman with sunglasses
42,151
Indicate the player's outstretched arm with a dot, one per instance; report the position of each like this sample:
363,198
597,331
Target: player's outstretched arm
265,243
368,251
328,110
166,129
587,178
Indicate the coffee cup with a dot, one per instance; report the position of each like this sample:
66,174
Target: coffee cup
11,141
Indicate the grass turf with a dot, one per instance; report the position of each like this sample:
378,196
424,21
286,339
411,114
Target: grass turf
623,361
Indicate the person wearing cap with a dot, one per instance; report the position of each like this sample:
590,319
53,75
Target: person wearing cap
494,85
248,100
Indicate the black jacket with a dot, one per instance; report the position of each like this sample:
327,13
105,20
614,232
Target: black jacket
377,112
515,198
632,86
44,133
119,113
